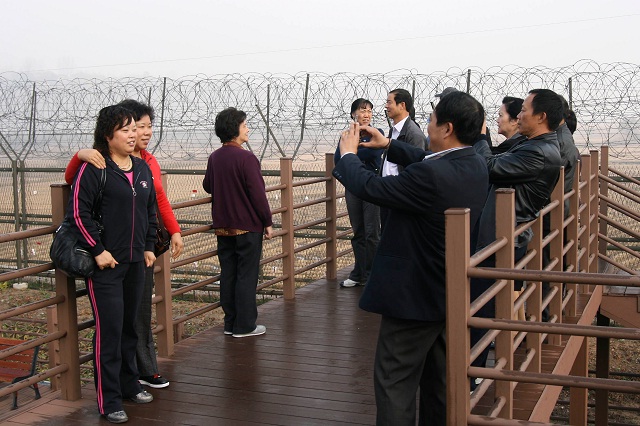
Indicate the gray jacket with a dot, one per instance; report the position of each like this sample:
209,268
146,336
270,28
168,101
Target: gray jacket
411,134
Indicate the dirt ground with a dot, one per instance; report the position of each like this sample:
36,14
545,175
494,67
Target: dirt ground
625,354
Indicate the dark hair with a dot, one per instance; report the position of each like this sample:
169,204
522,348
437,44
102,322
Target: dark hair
572,121
228,123
359,103
549,102
464,112
565,107
110,119
401,95
138,109
512,105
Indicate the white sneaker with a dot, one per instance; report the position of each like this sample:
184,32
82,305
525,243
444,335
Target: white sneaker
260,329
349,283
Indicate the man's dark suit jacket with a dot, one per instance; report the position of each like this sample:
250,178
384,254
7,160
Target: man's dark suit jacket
408,276
410,134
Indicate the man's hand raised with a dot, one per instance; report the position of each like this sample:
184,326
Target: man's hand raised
378,140
350,139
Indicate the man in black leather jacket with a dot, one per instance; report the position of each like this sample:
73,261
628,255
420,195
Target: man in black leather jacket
531,167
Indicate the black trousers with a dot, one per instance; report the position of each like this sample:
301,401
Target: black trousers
365,221
146,350
115,297
410,355
239,264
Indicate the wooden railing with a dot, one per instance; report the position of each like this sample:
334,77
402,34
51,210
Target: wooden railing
573,302
65,359
572,272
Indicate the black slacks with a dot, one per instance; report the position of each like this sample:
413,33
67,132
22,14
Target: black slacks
365,221
410,355
240,264
146,350
115,297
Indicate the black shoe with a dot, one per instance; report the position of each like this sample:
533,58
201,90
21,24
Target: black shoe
143,397
117,417
156,381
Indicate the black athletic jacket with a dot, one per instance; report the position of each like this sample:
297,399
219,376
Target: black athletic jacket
128,211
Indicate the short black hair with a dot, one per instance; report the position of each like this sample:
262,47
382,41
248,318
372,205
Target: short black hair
228,123
565,107
138,108
110,119
359,103
572,121
549,102
464,112
513,106
402,95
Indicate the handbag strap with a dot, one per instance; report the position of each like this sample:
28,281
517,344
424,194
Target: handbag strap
96,213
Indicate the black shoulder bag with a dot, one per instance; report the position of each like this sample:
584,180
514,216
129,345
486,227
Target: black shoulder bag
66,253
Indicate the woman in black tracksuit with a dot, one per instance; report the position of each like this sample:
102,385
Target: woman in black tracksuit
128,215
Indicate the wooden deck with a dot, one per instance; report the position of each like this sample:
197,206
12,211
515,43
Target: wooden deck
314,366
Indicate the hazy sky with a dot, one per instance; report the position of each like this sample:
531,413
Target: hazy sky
45,38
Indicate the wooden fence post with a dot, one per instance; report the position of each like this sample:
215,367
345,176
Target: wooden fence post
288,245
555,252
593,210
53,348
332,214
67,310
604,190
458,300
534,303
585,193
164,312
505,220
572,261
578,397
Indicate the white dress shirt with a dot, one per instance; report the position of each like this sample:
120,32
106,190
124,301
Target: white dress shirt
389,168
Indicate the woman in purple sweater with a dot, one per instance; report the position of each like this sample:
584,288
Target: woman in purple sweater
241,215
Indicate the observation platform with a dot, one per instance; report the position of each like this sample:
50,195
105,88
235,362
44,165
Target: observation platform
314,366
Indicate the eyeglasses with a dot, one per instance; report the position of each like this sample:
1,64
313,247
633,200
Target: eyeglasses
365,110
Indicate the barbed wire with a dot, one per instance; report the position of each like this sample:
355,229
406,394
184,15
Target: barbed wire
300,115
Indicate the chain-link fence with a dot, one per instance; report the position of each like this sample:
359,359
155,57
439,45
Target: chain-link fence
43,122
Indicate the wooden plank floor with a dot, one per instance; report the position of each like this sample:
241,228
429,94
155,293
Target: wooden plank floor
314,366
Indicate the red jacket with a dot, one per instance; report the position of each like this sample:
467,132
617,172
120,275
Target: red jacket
164,207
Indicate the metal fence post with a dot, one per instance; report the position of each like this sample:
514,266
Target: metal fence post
23,212
332,214
304,117
288,245
163,101
16,209
570,93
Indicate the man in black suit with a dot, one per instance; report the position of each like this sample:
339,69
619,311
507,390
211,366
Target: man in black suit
399,107
407,282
